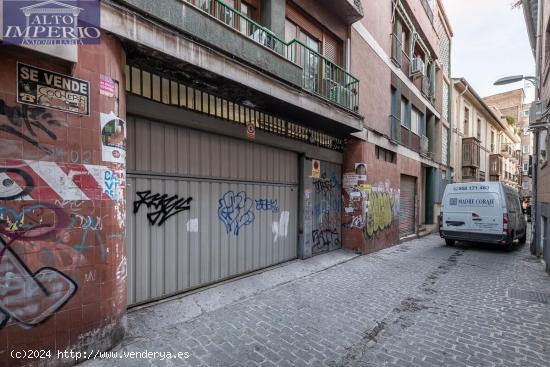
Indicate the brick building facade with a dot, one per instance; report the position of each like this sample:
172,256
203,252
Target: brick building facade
205,140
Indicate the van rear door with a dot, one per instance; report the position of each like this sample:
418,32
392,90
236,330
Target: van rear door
467,211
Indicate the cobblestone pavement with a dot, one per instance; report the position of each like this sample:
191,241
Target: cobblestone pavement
420,303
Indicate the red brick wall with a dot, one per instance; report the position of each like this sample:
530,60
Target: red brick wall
379,197
61,214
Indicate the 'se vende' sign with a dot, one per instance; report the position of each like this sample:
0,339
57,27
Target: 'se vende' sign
45,88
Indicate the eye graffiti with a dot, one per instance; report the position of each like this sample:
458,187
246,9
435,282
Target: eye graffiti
14,183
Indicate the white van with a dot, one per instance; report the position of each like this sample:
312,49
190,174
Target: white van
488,212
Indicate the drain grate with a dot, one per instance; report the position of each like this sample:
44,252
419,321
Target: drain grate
529,296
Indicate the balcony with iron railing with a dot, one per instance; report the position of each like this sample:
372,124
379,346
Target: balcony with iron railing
506,150
324,78
426,87
428,9
395,129
424,146
320,76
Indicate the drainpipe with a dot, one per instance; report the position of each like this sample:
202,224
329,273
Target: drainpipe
534,218
466,88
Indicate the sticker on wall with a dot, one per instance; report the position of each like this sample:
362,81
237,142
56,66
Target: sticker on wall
250,130
39,87
106,86
113,138
361,170
315,168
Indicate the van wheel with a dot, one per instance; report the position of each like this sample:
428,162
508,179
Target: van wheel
523,238
450,242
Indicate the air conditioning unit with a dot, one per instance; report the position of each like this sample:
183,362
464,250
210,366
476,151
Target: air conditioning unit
417,66
536,111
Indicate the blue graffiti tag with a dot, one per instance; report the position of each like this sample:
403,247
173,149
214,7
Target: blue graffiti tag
235,211
267,205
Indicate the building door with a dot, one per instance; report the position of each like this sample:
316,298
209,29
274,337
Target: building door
327,203
407,206
203,208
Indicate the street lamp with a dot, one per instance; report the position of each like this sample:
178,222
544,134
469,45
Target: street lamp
535,81
517,78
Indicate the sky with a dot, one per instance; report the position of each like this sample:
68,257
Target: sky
490,41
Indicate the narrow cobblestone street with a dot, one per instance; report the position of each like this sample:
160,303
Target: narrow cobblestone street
420,303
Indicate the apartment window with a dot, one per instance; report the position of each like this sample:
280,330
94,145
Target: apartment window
526,149
466,121
479,129
415,121
526,113
386,155
405,114
492,141
525,167
444,144
443,175
525,185
314,35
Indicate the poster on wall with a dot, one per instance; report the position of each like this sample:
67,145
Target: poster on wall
113,138
315,168
106,86
39,87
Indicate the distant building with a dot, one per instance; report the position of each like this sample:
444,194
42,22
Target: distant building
483,144
511,105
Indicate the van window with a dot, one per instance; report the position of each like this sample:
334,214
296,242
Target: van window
512,201
466,202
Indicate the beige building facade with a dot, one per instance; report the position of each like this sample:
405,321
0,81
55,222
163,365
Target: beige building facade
483,145
512,106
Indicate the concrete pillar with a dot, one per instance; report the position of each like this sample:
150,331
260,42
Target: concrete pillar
62,209
273,16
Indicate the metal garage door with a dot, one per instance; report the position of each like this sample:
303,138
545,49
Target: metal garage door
407,205
203,207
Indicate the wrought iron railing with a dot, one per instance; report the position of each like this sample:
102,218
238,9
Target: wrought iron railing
428,9
320,75
426,87
323,77
396,46
395,128
241,23
424,145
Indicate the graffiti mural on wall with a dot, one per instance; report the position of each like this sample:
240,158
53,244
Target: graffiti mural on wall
30,298
25,122
9,189
40,180
267,204
235,211
325,238
165,206
372,209
48,221
326,213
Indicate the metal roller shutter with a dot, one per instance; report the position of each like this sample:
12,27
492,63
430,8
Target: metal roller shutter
230,208
407,206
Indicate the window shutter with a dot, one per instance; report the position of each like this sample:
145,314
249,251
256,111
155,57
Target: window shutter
332,49
299,19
